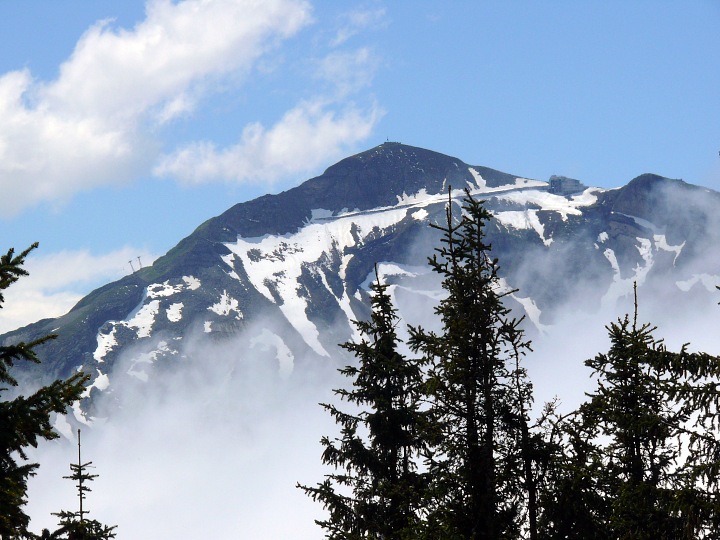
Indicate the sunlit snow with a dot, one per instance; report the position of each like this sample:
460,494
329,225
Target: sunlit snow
159,290
524,219
192,282
550,201
226,305
62,426
174,312
420,215
144,318
105,344
479,180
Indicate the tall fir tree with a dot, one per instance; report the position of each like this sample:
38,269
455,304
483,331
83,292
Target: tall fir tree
74,525
572,498
478,392
378,494
24,420
642,455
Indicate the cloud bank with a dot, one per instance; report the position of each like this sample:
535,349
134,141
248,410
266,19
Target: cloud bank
101,121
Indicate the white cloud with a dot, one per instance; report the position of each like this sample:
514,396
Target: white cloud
307,136
356,21
58,281
91,126
348,72
304,138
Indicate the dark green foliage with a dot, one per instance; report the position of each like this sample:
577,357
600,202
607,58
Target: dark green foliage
378,494
571,496
25,419
71,528
639,460
477,390
630,410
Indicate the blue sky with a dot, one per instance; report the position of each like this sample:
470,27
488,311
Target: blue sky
126,124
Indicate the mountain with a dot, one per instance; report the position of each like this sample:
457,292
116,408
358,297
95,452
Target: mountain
286,274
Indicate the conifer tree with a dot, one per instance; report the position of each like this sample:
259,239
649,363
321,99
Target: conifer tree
377,493
647,467
74,525
24,420
479,394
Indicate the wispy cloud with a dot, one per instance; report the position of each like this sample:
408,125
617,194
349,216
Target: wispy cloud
92,125
358,20
349,71
304,138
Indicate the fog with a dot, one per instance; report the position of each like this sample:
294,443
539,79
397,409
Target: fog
213,445
210,448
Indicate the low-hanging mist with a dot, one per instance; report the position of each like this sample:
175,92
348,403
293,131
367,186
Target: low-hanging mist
209,366
214,443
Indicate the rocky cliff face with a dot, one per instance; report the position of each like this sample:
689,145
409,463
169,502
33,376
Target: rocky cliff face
286,274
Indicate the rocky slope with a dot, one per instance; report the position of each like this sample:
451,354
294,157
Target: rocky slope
287,273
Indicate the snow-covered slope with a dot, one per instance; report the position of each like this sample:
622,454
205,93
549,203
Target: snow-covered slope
286,274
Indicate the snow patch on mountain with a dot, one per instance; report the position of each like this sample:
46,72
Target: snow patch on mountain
549,201
644,223
479,180
409,200
519,183
267,340
174,312
319,213
306,249
140,362
159,290
226,305
529,306
420,215
389,269
533,312
622,287
144,318
523,183
191,282
706,280
63,427
79,414
524,219
661,243
105,344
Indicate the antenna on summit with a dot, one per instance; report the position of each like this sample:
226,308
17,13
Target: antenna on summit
139,262
131,266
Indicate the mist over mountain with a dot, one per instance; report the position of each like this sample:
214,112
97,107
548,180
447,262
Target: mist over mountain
243,317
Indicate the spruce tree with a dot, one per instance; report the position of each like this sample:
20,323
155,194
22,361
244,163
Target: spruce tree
24,420
377,493
478,392
647,467
74,525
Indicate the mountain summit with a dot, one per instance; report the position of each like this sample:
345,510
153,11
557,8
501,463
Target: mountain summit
287,273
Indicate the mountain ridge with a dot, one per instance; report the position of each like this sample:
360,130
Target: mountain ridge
298,262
